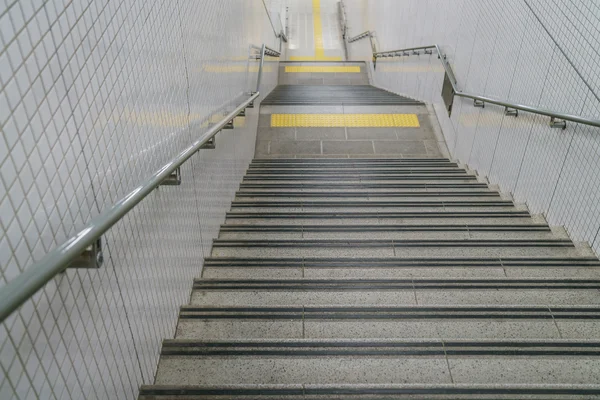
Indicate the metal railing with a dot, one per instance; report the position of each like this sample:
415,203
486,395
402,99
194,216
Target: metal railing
364,35
557,119
264,51
24,286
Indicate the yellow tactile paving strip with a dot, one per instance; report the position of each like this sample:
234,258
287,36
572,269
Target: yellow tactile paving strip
329,69
344,120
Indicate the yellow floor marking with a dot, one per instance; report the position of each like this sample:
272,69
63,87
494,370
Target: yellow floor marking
316,68
344,120
318,38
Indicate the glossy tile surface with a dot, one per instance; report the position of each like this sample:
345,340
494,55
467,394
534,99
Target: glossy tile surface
95,96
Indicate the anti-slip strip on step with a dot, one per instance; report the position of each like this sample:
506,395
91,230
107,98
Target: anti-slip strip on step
349,160
364,185
357,172
373,177
314,243
343,161
342,167
340,262
303,348
389,313
365,195
370,204
379,214
393,284
379,164
376,392
385,228
354,163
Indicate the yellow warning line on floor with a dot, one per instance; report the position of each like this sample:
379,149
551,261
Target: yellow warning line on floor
344,120
316,68
318,38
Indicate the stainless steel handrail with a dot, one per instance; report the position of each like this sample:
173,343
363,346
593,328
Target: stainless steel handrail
508,105
18,290
264,50
366,34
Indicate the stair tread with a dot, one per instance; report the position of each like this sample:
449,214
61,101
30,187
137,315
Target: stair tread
384,278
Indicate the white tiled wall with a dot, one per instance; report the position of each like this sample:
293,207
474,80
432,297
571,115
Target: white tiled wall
95,95
536,52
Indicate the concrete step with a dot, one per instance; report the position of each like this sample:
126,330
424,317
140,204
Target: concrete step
389,268
347,168
312,95
408,248
352,162
366,203
345,161
370,217
371,392
393,232
491,291
334,362
389,322
359,177
258,191
364,193
317,170
357,185
354,196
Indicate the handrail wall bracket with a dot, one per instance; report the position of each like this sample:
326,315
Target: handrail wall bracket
91,257
174,179
558,123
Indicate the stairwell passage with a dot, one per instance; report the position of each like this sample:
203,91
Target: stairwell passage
380,276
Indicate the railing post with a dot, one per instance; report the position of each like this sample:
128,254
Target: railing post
260,69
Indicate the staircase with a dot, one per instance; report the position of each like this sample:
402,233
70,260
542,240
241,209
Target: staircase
375,275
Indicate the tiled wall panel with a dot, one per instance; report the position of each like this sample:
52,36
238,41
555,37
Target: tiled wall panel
534,52
94,97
